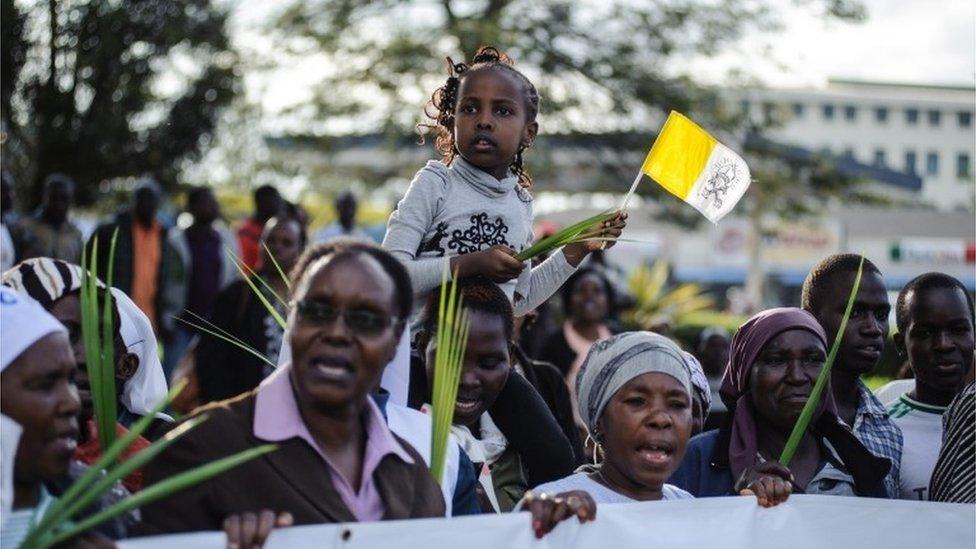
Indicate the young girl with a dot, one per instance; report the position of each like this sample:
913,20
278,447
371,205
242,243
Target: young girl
474,205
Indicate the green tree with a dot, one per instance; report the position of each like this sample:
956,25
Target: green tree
599,65
102,90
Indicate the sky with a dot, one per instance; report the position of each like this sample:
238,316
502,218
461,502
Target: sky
918,41
914,41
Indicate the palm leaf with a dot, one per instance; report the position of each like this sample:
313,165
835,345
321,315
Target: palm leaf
98,337
82,483
122,470
648,285
789,450
452,338
158,491
573,233
56,526
277,267
220,333
249,273
257,292
106,396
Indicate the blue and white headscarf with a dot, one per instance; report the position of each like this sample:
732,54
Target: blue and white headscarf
699,382
613,362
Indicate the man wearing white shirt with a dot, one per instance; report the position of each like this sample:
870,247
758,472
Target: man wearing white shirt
345,227
935,331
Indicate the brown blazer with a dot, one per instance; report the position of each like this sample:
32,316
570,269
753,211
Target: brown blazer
292,478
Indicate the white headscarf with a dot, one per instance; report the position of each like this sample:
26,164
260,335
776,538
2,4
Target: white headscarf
48,280
147,388
22,323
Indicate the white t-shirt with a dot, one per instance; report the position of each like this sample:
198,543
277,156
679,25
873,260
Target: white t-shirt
600,493
921,425
336,230
888,393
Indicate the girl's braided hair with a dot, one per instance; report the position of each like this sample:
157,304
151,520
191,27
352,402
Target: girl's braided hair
443,103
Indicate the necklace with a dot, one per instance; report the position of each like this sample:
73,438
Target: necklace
604,481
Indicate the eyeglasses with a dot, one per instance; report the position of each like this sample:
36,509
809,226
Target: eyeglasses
361,321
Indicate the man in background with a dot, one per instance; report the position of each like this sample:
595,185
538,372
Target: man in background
345,225
202,248
268,203
49,232
146,266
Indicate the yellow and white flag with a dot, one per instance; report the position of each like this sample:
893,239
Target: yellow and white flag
695,167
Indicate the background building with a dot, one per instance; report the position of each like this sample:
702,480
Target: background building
926,130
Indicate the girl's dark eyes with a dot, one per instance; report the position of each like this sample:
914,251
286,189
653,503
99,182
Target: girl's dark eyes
467,109
504,111
635,401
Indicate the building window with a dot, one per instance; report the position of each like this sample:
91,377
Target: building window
932,163
744,105
910,162
965,119
850,113
962,166
911,116
828,112
934,118
881,115
879,158
798,110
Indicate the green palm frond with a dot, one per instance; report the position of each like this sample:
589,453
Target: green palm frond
803,422
578,232
653,301
98,334
452,339
58,523
277,267
245,270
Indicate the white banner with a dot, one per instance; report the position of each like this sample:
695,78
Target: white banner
804,522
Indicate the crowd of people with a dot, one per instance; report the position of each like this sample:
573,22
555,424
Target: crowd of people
326,348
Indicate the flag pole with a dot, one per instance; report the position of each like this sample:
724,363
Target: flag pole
633,188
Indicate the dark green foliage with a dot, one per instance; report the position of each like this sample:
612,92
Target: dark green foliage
105,113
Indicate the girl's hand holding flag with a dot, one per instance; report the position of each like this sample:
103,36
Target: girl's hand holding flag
603,236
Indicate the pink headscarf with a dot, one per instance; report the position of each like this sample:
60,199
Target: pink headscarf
747,343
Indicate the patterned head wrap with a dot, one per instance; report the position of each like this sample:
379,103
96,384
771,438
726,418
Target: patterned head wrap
613,362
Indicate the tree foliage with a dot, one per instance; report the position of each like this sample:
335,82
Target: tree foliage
102,90
613,57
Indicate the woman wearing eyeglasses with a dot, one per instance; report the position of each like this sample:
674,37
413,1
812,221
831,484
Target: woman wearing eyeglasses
336,459
223,369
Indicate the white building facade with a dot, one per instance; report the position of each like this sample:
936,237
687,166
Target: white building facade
928,131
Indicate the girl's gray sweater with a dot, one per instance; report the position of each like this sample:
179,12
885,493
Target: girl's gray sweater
459,209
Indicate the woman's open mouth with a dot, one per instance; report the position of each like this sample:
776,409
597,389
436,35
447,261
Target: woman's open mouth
65,442
333,369
467,405
656,454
